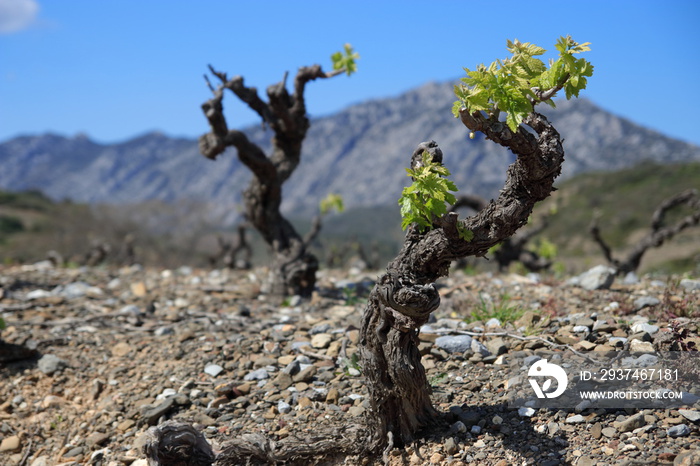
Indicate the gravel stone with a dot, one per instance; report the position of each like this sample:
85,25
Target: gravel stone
259,374
633,422
690,414
690,285
680,430
215,369
454,343
645,301
50,364
600,277
11,443
644,327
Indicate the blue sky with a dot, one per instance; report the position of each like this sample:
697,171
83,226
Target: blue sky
117,69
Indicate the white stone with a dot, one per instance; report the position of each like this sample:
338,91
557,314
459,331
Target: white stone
637,346
213,369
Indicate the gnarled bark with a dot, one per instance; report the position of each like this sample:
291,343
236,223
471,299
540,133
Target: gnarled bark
293,270
511,249
405,296
658,233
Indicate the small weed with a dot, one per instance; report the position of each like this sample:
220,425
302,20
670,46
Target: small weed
503,310
681,336
57,420
438,379
675,305
353,362
352,296
533,330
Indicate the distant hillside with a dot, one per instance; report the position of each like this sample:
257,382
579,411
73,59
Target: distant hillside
31,225
624,201
359,153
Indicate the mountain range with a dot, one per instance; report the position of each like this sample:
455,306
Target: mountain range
359,153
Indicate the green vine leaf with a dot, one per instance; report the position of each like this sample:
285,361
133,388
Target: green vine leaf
518,83
428,196
465,234
331,202
345,60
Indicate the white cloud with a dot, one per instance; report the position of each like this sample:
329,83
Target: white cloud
16,15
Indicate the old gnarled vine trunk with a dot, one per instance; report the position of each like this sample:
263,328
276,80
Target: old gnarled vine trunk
405,296
293,270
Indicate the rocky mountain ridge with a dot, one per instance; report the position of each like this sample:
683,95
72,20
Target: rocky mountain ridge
359,152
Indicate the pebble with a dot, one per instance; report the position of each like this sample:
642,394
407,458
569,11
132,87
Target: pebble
586,322
11,443
458,427
644,327
600,277
284,407
37,294
50,364
451,446
645,301
493,322
321,340
215,369
530,360
454,343
690,414
526,412
690,285
77,290
496,346
259,374
121,349
637,346
575,419
553,428
166,393
633,422
74,452
680,430
478,348
40,461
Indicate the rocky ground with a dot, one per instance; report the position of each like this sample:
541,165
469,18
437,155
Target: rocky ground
112,352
